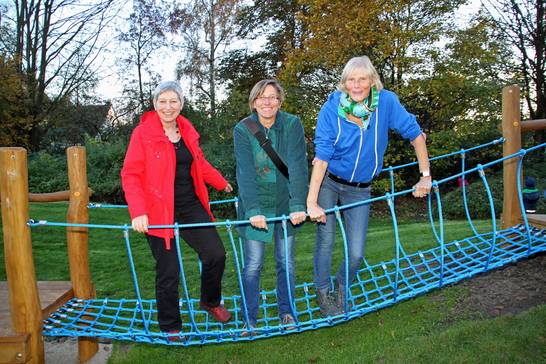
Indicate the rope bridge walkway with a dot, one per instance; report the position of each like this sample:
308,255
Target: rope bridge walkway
376,286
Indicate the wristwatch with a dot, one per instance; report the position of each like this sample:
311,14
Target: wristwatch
425,173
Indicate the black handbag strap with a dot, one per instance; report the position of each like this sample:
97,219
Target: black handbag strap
265,143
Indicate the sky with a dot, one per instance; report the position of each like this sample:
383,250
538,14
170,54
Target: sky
164,63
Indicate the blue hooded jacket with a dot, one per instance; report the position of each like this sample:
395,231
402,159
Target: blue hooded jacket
356,154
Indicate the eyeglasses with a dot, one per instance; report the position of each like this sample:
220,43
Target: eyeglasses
271,99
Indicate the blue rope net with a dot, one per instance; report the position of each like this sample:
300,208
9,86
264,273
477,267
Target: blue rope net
376,285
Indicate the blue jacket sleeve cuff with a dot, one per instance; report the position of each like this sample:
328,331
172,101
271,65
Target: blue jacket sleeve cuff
414,133
323,155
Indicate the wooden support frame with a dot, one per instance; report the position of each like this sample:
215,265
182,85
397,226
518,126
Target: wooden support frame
27,346
511,131
77,239
512,127
26,313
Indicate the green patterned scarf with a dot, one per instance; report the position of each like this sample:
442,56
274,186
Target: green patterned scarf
362,109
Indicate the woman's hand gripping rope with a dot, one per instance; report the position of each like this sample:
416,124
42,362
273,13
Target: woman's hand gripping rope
140,223
422,188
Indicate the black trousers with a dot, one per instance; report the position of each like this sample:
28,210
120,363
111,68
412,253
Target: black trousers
208,245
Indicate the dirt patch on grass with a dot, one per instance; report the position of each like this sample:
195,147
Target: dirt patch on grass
508,290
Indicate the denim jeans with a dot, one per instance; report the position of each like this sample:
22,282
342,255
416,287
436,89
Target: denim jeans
254,258
356,226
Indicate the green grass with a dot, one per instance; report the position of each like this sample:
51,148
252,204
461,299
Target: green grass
423,329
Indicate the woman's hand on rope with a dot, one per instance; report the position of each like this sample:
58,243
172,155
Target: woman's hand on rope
258,222
297,217
228,188
316,213
422,188
140,223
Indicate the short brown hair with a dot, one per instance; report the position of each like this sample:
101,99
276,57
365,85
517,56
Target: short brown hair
259,89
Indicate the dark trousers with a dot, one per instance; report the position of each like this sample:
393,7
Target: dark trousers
208,245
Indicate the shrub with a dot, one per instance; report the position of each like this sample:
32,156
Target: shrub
104,162
47,173
477,199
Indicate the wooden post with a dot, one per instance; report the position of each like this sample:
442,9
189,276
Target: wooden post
511,131
77,239
26,312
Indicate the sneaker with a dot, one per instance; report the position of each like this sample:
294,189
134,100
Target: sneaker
218,312
288,322
340,299
249,330
173,337
327,304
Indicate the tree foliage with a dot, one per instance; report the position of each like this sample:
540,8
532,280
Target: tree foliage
397,35
14,102
523,24
53,48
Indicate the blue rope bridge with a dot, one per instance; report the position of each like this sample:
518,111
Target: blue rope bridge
376,286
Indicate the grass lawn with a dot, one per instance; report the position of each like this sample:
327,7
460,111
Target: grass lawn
423,329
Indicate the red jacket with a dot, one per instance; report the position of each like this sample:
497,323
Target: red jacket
148,172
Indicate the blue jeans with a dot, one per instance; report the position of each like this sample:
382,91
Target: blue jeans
356,226
254,258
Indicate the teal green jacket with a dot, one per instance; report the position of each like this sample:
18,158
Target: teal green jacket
263,190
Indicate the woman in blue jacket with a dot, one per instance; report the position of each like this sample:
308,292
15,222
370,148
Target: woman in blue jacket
264,192
350,141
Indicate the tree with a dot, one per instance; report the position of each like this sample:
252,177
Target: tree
146,35
278,22
523,24
54,49
207,27
457,101
16,122
398,35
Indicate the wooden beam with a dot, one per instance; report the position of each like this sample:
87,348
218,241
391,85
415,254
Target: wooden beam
26,314
77,239
52,196
530,125
511,131
54,294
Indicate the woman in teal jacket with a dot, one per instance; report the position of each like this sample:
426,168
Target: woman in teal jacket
264,192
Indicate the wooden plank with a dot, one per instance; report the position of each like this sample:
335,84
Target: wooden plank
14,349
53,294
537,220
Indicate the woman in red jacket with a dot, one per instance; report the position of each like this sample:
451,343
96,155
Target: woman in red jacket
163,177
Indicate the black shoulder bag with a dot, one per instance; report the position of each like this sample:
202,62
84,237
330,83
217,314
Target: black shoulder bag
265,143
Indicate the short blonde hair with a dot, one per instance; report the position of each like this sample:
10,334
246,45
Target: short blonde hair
360,63
259,89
